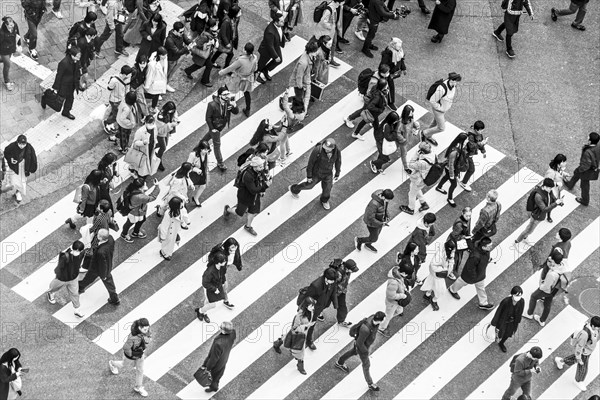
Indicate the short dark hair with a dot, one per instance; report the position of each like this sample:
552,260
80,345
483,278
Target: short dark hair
330,274
548,182
73,51
478,125
383,68
536,352
485,241
249,48
516,290
311,47
595,321
594,137
564,234
126,70
210,23
104,205
557,256
379,316
90,17
91,31
77,245
178,25
388,194
429,218
130,98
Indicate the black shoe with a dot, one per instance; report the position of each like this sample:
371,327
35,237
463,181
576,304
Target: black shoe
206,319
510,53
207,84
439,189
579,27
260,80
189,76
114,303
554,18
501,345
321,318
435,306
333,63
343,40
549,219
161,167
311,346
407,210
357,244
426,297
43,103
343,367
424,207
371,247
267,76
210,389
425,10
367,53
432,141
373,47
451,202
455,295
222,167
373,387
580,201
69,115
246,112
339,51
277,346
486,307
435,39
199,315
498,36
70,223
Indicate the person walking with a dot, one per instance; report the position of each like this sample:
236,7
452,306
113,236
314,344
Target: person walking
199,174
114,7
543,201
110,178
410,257
34,11
179,185
475,144
520,368
512,13
393,56
551,279
138,201
474,273
66,81
435,283
365,89
440,96
301,77
507,318
166,125
457,162
324,291
420,165
330,24
231,249
177,44
588,169
227,35
141,157
576,6
488,217
344,269
101,266
584,343
422,236
199,14
156,78
66,274
218,115
138,78
118,87
86,207
269,50
10,43
375,104
19,161
292,121
168,230
212,286
134,354
242,75
396,291
203,48
460,235
154,33
390,130
365,336
321,61
295,339
11,371
377,13
324,158
441,18
292,11
557,172
127,117
350,9
564,244
86,46
274,137
376,217
218,355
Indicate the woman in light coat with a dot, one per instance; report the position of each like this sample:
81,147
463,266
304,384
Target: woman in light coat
242,73
179,185
420,165
330,25
435,283
156,78
557,172
321,61
199,174
141,157
168,230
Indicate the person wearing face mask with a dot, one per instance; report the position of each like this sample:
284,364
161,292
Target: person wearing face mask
10,375
166,125
301,76
321,59
365,336
324,291
134,353
19,162
154,33
557,172
270,47
67,79
461,233
396,291
375,104
67,272
156,78
376,217
203,48
141,157
218,115
218,355
508,316
10,43
440,96
420,165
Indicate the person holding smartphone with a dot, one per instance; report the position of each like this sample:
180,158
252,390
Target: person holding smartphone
521,368
139,206
10,374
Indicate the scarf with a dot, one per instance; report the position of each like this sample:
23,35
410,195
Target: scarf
395,47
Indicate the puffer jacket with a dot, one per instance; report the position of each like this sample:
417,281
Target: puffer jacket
376,211
396,288
420,167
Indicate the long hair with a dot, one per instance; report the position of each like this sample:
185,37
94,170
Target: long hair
107,161
175,207
229,242
406,111
306,313
137,324
457,143
409,249
557,160
391,119
168,108
261,131
9,356
94,178
135,184
184,170
203,145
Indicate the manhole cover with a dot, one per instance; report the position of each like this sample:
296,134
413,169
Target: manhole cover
589,299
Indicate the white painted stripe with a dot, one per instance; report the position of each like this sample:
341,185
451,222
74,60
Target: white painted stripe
336,338
455,359
549,339
564,387
33,67
192,336
26,237
428,321
95,295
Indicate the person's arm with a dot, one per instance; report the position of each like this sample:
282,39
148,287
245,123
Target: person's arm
363,334
85,192
338,164
383,11
207,282
586,162
225,34
528,7
127,347
140,10
60,72
520,369
250,184
539,203
312,159
270,44
232,67
482,221
210,115
451,161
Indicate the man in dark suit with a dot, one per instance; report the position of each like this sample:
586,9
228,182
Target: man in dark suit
218,355
323,290
587,171
101,266
86,47
377,12
270,48
67,79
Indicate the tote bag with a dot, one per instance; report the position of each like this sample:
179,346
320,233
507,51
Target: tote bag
388,147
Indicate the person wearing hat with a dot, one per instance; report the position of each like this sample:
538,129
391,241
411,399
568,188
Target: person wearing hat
440,102
521,367
344,270
324,158
544,202
253,182
512,13
376,217
396,290
324,291
218,355
19,162
218,114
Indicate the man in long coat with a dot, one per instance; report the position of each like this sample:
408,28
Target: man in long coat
218,355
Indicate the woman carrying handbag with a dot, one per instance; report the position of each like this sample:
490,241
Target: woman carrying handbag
295,339
179,185
199,175
86,197
10,375
435,283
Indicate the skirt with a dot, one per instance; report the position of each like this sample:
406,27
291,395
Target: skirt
132,27
89,210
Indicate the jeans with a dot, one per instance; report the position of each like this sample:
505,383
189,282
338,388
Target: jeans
195,67
124,137
541,295
31,34
136,227
437,125
72,289
533,223
106,34
580,9
453,183
5,67
216,139
479,287
374,232
391,310
248,100
342,310
415,192
470,171
370,36
514,386
326,186
112,117
139,368
228,58
108,283
364,358
585,186
171,67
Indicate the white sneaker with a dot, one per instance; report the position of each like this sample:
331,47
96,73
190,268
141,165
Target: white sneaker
57,14
465,186
141,391
582,386
360,35
537,318
528,316
114,370
559,362
170,89
528,243
50,297
18,197
358,136
104,10
349,123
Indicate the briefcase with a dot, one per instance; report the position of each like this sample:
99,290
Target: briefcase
317,89
53,99
203,377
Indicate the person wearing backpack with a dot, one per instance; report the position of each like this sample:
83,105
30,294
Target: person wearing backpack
376,217
367,80
420,165
584,343
66,274
440,96
488,217
324,291
396,291
460,235
422,236
118,87
329,21
554,278
134,353
521,368
86,206
588,169
474,145
375,104
79,28
139,206
457,163
364,334
539,203
508,316
34,11
512,13
269,50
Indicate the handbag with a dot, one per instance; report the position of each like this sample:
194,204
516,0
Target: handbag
53,99
442,274
435,172
294,340
86,235
406,301
134,157
112,224
203,377
367,116
388,147
83,82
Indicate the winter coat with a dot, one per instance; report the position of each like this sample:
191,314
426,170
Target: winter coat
420,168
87,50
156,78
139,202
320,165
67,77
243,69
218,116
460,229
376,103
199,15
589,162
102,258
204,47
422,236
475,143
226,35
366,333
12,158
378,12
442,15
157,39
323,294
68,266
218,355
293,11
474,270
432,282
126,116
442,102
376,212
145,155
544,203
211,281
271,44
508,316
34,10
302,74
237,257
8,40
253,184
395,289
7,376
176,45
515,7
386,58
321,65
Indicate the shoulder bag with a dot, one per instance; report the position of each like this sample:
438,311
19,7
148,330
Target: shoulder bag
294,340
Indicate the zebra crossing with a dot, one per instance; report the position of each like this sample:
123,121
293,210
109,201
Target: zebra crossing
181,353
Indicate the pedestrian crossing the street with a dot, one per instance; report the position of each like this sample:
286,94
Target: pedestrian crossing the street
288,227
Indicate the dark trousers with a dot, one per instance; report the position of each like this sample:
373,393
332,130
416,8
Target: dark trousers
540,295
342,310
228,58
68,105
108,283
508,38
5,59
195,67
136,227
154,98
216,139
163,142
374,232
348,17
585,186
171,67
31,34
268,65
326,185
364,359
582,369
124,137
390,4
248,100
309,334
470,171
370,36
56,5
106,34
453,183
114,108
217,374
381,160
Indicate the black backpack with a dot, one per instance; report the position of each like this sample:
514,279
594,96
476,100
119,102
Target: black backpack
238,178
301,295
531,206
363,80
435,172
434,87
242,158
462,160
355,329
512,362
319,10
124,202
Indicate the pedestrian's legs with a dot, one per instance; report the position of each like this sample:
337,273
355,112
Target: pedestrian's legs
250,217
533,299
500,28
120,364
512,389
585,192
207,306
391,310
470,171
582,369
228,59
342,310
508,42
87,280
444,179
390,4
326,185
162,145
112,117
568,11
191,69
248,100
102,38
580,14
171,66
272,65
359,127
216,139
56,285
570,184
362,23
5,67
306,97
139,372
68,104
109,284
437,125
198,192
56,5
373,235
415,192
73,290
453,183
547,307
370,36
481,293
126,226
124,137
350,353
533,223
402,149
381,160
355,114
304,185
119,37
138,226
366,364
526,388
421,4
457,285
31,34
